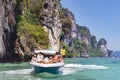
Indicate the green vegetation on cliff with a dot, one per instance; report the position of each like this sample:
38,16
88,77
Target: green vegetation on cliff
29,28
30,31
34,33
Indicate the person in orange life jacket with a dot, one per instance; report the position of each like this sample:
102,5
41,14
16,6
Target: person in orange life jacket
57,57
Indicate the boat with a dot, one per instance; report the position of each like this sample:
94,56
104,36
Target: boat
40,67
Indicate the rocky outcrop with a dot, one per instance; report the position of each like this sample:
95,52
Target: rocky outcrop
85,35
69,28
7,27
49,18
73,30
93,41
84,38
102,44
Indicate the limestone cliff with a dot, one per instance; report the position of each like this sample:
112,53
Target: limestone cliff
85,35
50,19
84,40
102,44
93,41
7,27
69,30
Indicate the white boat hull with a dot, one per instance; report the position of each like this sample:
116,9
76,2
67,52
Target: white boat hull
50,68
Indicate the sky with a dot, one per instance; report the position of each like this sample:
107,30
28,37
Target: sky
102,17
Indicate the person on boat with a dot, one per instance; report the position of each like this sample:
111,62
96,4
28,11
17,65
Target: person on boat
51,59
63,52
57,57
34,58
40,57
46,60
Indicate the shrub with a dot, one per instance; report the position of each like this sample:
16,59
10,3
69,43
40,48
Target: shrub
33,32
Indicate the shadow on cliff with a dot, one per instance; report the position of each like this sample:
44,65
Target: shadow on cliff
15,58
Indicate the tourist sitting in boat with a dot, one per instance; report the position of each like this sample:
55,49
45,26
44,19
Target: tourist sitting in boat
57,57
34,58
46,60
40,58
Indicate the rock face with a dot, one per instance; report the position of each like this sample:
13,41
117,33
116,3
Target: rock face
50,19
7,27
68,27
73,25
93,42
85,38
85,35
102,44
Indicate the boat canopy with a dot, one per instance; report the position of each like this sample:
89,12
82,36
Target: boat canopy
46,52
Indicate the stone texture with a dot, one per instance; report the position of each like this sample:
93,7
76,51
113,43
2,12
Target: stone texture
7,27
49,17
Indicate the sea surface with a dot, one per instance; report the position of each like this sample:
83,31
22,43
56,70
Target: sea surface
74,69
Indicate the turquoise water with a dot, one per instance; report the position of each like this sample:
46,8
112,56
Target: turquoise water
74,69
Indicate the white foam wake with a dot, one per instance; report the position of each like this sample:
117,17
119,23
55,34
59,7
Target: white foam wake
80,66
21,71
72,68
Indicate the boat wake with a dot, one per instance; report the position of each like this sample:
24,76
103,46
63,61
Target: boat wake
71,68
67,69
21,71
82,67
